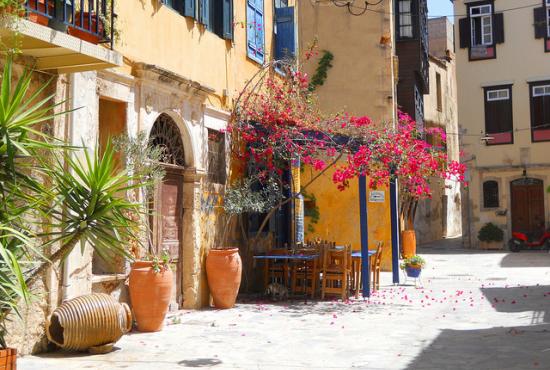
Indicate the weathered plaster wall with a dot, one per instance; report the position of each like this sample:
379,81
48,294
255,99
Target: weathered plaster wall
520,59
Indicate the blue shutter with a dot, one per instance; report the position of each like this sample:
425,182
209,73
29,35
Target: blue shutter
204,13
189,8
228,19
285,39
255,30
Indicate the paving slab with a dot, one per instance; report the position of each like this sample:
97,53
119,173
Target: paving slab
474,310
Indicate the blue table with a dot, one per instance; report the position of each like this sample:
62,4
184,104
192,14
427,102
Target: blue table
356,259
358,254
292,257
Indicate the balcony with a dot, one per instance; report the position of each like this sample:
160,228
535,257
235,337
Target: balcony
65,36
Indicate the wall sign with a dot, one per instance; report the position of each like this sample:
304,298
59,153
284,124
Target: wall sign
377,196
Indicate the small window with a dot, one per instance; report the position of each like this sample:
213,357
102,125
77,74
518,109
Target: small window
490,194
540,113
216,157
405,19
481,22
499,115
439,92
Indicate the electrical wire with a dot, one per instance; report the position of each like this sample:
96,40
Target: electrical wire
349,4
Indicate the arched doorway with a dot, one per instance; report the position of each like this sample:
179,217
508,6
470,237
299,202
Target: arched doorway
527,205
167,204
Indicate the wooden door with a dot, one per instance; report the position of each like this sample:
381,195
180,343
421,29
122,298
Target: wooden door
528,206
169,234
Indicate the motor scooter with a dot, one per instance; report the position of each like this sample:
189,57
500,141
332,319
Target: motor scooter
522,240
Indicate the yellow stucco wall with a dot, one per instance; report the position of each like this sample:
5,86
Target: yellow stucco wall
156,34
360,82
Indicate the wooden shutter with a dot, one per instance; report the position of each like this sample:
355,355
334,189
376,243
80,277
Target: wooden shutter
255,30
540,22
204,13
189,8
228,19
285,39
464,30
498,28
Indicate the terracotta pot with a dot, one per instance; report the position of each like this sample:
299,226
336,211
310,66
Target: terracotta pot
86,26
409,243
8,359
150,294
224,269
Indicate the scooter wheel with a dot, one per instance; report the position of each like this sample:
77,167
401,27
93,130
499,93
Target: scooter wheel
515,245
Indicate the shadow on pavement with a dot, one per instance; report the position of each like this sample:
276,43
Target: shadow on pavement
200,362
535,299
502,348
526,259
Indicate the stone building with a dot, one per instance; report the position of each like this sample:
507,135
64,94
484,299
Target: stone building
441,215
170,69
504,113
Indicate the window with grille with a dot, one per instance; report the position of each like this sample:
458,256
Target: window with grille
540,112
490,194
499,115
439,92
216,157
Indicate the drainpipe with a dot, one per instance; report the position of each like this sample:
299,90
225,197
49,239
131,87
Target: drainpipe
66,284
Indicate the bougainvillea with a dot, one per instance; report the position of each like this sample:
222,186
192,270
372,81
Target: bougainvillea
277,122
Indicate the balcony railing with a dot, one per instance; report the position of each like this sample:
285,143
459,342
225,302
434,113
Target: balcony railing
89,20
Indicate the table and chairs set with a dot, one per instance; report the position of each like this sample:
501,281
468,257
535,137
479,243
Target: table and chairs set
320,269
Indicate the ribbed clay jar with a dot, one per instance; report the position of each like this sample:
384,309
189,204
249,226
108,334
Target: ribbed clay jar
150,294
88,321
223,269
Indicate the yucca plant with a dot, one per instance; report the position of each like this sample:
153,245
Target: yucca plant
89,206
22,137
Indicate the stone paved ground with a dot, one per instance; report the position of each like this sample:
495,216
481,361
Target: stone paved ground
476,310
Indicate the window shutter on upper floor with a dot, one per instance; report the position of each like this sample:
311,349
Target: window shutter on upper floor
228,19
540,22
498,28
464,31
285,39
204,12
189,8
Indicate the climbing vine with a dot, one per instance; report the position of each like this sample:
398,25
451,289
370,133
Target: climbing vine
311,211
320,76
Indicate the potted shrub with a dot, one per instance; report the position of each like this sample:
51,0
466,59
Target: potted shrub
490,237
413,266
150,281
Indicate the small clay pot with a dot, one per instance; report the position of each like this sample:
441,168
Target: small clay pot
224,269
150,294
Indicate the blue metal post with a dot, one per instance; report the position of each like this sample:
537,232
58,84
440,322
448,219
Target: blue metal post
364,225
394,231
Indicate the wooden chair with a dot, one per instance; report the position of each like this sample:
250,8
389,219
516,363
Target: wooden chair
276,271
299,272
336,271
375,268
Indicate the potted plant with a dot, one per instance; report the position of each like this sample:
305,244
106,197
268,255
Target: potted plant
93,27
150,281
12,7
491,237
413,266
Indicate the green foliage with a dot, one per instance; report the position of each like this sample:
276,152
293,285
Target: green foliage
321,73
490,233
253,196
311,212
160,262
414,261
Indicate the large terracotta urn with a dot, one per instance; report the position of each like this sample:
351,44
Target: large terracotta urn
408,238
150,294
224,269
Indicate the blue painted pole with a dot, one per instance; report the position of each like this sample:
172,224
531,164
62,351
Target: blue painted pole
394,214
364,225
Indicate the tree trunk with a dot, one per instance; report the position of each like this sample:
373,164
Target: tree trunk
61,253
